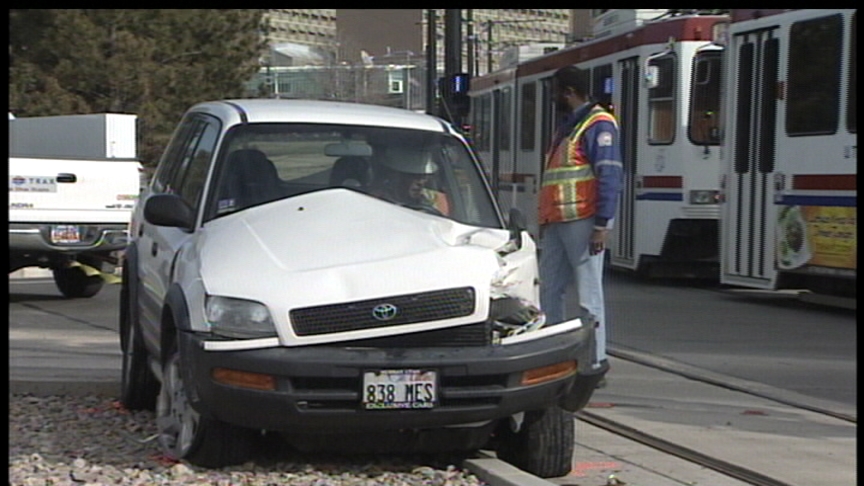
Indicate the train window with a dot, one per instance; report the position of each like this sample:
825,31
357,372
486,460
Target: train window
661,101
705,98
602,85
852,97
743,107
548,117
813,90
767,112
504,118
528,116
481,113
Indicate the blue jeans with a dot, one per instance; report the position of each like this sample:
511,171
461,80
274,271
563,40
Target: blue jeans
564,259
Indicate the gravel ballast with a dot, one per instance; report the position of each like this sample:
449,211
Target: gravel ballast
92,440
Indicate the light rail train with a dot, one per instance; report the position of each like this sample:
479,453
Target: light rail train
790,161
662,79
735,126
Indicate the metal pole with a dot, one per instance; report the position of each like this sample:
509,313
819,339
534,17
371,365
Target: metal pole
452,40
452,53
469,19
476,67
489,25
431,60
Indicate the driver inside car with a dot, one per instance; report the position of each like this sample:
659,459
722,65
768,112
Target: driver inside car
404,177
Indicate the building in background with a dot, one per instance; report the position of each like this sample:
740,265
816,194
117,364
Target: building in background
490,32
379,55
306,26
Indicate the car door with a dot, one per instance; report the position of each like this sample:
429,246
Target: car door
182,171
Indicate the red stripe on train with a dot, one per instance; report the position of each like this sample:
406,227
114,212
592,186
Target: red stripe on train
674,182
831,182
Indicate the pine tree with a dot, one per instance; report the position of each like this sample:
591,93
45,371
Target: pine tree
154,63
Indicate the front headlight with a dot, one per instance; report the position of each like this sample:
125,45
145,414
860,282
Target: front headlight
238,318
704,197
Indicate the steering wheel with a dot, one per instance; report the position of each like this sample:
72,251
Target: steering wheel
426,208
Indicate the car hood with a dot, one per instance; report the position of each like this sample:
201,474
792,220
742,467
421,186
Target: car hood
339,245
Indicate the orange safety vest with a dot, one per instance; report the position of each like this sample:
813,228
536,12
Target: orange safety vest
569,188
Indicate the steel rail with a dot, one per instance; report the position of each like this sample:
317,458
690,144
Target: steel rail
737,472
687,371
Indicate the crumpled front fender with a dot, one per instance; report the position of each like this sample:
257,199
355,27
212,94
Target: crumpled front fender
588,375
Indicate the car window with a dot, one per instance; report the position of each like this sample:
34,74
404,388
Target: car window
197,163
173,155
432,172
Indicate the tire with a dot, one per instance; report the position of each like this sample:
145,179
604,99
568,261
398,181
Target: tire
138,386
544,444
74,283
185,435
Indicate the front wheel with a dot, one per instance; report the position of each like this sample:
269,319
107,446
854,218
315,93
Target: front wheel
185,435
544,444
73,282
138,386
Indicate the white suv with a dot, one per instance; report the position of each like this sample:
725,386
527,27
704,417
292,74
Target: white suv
340,274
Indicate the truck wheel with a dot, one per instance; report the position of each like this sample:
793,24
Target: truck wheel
544,444
138,385
185,435
74,283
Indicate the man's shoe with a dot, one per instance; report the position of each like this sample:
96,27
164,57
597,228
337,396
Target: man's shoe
601,383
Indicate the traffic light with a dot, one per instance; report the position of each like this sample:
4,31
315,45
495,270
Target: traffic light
460,83
453,90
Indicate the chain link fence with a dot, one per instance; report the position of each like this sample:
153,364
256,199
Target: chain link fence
400,86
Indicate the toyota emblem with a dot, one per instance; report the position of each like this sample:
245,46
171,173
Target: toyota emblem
384,312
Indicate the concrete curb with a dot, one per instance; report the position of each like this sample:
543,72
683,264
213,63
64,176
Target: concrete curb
496,472
36,272
31,272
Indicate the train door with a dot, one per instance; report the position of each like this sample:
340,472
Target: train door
748,233
533,139
627,111
546,117
518,183
495,132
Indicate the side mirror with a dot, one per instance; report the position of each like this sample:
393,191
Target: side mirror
169,210
516,225
652,76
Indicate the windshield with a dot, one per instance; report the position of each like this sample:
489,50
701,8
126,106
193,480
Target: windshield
705,102
430,172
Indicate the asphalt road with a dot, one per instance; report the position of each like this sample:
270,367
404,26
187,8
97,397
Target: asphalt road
766,338
61,345
775,340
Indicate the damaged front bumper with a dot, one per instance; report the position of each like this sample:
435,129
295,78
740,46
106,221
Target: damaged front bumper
319,387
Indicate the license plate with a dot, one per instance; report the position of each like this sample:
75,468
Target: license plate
65,234
399,389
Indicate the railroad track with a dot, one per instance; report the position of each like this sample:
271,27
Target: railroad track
618,425
741,473
823,407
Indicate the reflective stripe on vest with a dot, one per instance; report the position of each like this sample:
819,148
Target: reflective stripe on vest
569,189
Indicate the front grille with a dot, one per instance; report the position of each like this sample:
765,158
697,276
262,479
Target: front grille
411,308
469,335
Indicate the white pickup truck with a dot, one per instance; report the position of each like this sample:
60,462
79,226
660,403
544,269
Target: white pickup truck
71,216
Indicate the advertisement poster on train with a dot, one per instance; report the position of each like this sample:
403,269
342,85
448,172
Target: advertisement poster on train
822,236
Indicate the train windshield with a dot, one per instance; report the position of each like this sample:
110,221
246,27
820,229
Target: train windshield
705,99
